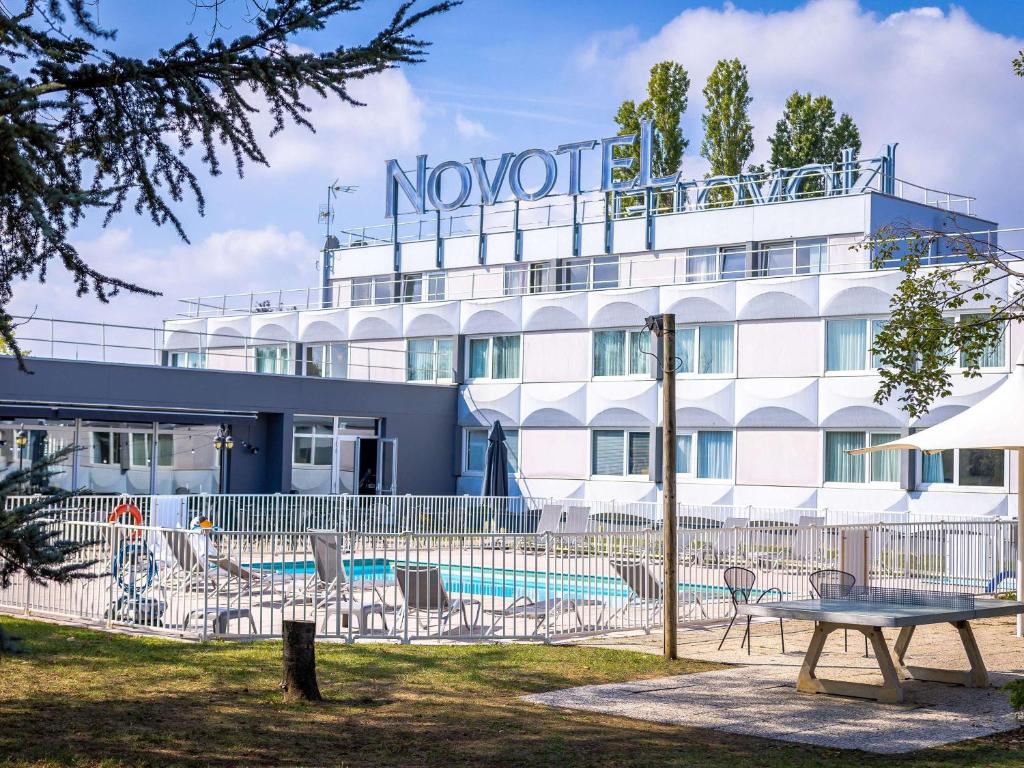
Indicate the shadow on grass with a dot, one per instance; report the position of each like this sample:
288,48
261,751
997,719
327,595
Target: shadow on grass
136,701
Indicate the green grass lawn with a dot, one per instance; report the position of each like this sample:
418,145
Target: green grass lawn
88,698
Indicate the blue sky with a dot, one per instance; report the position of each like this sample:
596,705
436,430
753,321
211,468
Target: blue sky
511,75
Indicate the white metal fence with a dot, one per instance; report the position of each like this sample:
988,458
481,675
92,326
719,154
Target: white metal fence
485,584
297,513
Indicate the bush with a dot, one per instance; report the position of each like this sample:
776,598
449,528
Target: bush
1016,690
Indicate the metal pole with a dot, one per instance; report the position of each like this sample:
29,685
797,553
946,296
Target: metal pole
1020,535
668,479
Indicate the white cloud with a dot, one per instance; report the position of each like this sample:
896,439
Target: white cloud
935,81
353,142
231,261
470,129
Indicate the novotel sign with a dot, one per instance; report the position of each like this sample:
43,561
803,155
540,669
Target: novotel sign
449,185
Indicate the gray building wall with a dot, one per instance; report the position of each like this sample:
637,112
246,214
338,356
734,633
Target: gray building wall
259,407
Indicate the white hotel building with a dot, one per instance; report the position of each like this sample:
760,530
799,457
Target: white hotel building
536,315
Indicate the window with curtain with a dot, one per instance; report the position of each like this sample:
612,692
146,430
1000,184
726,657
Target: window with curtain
429,360
609,353
701,265
714,455
840,465
476,450
715,349
876,328
515,279
994,356
607,452
937,467
479,351
494,357
686,349
639,453
622,353
684,454
505,357
271,359
884,465
846,345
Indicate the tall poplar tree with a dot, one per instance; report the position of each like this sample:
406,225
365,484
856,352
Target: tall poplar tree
728,134
85,129
665,104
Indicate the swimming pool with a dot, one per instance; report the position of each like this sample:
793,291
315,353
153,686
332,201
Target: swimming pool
482,581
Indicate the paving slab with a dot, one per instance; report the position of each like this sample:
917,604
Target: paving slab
762,701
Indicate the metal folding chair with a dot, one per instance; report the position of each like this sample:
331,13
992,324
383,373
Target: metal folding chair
740,583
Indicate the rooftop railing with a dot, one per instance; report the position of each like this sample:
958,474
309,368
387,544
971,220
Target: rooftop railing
784,258
56,339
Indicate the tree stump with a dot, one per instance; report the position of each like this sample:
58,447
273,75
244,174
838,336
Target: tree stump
299,659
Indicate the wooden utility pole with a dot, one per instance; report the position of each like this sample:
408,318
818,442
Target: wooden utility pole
665,328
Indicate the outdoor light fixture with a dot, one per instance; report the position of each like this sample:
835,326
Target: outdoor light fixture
229,442
21,440
653,324
218,442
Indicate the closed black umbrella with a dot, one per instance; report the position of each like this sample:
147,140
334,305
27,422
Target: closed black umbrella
496,463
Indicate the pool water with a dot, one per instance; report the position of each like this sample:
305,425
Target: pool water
494,582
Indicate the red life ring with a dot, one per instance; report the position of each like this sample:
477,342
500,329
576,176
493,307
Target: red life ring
129,509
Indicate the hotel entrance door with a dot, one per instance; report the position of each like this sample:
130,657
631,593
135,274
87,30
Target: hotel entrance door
367,466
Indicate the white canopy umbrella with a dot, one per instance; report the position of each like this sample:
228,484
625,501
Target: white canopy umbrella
996,422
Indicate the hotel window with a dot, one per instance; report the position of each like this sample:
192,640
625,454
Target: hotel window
417,286
142,449
379,289
793,257
494,357
622,353
186,359
965,467
313,441
105,447
705,454
848,344
581,274
706,350
577,274
716,263
844,467
429,360
476,450
271,359
620,453
994,356
327,361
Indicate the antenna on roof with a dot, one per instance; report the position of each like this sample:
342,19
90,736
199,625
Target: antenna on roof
326,217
